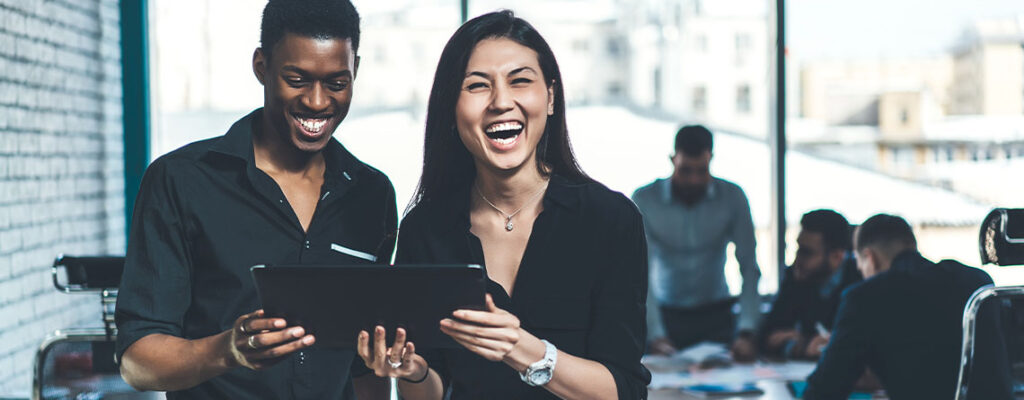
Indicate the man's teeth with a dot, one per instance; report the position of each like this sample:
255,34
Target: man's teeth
508,140
312,125
504,126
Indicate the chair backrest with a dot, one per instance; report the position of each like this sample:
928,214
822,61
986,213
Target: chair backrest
88,273
1002,237
1007,304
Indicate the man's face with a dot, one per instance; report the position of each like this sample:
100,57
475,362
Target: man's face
307,88
691,176
812,260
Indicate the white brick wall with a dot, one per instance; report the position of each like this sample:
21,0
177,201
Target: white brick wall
61,165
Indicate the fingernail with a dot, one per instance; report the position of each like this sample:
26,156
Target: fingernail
307,340
297,332
279,324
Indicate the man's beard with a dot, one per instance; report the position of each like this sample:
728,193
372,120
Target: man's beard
819,275
689,194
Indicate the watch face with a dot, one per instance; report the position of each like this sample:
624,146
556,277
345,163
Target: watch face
541,376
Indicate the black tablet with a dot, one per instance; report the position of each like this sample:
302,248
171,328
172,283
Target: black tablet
335,302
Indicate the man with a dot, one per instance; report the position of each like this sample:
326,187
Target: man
904,324
803,311
689,219
276,189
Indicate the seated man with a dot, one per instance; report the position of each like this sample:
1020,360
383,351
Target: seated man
809,295
904,324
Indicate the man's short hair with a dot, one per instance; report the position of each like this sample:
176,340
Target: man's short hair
886,232
693,140
833,227
318,19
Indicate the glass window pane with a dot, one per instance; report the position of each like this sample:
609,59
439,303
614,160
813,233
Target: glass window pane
919,118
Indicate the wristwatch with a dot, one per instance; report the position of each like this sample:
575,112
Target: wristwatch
540,372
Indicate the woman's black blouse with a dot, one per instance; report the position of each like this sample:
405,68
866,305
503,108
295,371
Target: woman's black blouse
582,284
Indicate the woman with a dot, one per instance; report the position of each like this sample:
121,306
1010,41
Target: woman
566,257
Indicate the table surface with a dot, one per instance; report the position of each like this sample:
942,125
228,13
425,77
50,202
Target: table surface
669,375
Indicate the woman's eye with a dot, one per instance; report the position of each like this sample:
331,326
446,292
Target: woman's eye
521,81
475,86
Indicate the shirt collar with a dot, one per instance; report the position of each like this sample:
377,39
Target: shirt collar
237,143
906,260
666,190
836,279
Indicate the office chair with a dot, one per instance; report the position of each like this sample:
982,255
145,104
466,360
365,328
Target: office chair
1001,242
83,355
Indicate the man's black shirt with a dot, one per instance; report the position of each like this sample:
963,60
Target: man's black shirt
905,324
205,214
803,305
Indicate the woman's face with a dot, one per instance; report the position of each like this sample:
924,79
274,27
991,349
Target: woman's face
503,104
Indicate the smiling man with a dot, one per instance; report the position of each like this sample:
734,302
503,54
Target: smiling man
275,189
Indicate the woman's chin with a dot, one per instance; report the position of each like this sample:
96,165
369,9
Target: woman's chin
506,163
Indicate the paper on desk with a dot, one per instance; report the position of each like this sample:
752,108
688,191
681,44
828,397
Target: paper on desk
735,374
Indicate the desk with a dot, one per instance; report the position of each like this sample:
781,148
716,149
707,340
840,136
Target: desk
773,390
669,374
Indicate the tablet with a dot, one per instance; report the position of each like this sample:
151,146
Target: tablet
335,302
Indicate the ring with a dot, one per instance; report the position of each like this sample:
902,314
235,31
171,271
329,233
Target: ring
241,328
394,365
252,344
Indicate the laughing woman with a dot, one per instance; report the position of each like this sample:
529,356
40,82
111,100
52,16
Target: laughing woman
565,255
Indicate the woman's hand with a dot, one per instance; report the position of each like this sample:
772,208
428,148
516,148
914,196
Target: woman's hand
492,334
258,342
398,361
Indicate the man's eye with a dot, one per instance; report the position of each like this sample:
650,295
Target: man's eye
293,81
521,81
337,86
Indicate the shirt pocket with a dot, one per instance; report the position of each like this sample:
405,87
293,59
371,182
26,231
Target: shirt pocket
353,254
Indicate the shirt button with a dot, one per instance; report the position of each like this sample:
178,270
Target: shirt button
307,244
281,201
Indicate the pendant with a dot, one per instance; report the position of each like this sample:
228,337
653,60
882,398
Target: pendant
508,225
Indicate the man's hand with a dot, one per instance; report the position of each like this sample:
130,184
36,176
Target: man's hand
779,338
815,346
663,346
743,348
258,342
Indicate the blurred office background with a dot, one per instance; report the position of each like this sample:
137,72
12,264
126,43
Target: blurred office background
912,107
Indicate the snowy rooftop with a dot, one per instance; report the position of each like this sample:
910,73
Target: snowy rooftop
625,151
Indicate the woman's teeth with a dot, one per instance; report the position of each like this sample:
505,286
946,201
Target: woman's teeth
504,126
507,140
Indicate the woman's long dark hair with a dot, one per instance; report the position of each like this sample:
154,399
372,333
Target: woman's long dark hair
447,165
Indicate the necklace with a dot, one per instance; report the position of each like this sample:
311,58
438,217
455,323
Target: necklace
508,217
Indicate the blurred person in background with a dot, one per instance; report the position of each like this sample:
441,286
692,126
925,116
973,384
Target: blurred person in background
690,218
903,323
803,311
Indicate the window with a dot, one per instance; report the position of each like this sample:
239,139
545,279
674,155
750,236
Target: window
700,100
743,99
943,73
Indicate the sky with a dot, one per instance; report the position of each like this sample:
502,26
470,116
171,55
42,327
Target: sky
884,28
